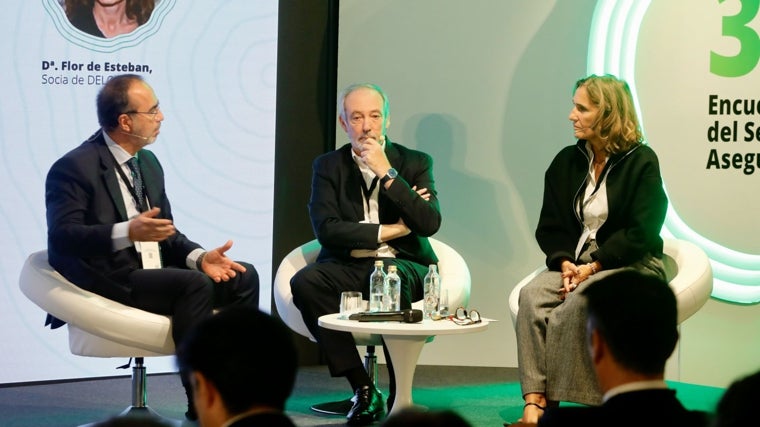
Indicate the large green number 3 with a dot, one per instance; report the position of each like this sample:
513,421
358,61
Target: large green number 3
749,53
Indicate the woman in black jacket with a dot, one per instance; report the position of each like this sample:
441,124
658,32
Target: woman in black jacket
603,208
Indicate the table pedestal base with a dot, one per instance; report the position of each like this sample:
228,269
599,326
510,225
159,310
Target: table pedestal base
404,351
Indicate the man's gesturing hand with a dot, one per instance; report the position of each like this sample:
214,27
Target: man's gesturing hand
147,228
218,267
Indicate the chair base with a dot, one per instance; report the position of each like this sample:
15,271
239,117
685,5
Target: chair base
142,412
139,407
147,412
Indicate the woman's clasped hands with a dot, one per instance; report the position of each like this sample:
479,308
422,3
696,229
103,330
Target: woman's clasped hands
572,276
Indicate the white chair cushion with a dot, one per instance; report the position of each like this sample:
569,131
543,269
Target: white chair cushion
692,283
455,277
98,327
694,280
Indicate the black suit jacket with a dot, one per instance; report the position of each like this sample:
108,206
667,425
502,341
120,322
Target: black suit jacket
657,407
336,206
83,203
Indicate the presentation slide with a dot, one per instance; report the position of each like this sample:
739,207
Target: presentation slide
213,68
697,92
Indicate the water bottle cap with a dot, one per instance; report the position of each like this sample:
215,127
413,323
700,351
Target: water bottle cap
378,263
391,268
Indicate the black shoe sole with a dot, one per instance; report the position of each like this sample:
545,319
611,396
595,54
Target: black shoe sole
340,407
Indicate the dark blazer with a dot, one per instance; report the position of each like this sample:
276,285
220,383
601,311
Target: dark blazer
658,407
637,207
83,203
336,207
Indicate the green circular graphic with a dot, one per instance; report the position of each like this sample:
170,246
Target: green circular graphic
612,50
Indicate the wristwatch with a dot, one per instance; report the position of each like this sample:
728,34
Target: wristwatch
392,174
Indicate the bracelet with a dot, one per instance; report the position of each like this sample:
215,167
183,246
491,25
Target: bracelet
592,267
199,261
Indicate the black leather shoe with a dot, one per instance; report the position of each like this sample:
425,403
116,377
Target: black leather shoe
368,406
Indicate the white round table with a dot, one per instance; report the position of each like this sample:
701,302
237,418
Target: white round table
404,342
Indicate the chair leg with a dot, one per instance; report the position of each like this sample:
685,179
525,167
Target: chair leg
140,396
139,389
370,364
342,407
139,407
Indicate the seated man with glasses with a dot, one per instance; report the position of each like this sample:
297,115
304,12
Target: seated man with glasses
110,224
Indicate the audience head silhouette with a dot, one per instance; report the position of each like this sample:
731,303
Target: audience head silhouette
636,317
240,362
737,406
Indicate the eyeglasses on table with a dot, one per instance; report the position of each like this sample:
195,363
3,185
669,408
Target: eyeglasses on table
462,317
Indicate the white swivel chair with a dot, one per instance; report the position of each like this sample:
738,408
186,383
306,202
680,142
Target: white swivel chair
455,277
689,274
688,271
99,327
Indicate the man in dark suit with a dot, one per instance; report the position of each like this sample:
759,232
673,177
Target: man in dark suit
632,330
110,225
370,199
242,366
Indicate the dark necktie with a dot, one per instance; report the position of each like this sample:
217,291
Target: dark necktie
137,182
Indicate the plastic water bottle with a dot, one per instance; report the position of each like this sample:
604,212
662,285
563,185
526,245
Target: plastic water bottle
393,286
443,302
432,291
377,287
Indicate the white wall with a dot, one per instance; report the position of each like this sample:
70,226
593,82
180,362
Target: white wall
485,87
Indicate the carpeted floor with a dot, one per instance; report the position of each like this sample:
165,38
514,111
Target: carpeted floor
484,396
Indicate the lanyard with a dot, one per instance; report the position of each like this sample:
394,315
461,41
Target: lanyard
368,191
140,204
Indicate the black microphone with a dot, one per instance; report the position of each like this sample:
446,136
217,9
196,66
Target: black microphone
144,138
409,315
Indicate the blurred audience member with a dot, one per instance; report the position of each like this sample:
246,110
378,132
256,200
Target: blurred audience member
242,366
737,406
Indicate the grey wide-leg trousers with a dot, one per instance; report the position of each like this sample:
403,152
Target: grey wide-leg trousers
552,351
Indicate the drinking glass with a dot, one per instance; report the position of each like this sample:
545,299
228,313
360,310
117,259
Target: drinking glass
350,302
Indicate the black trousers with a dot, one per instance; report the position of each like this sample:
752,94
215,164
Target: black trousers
316,291
190,295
